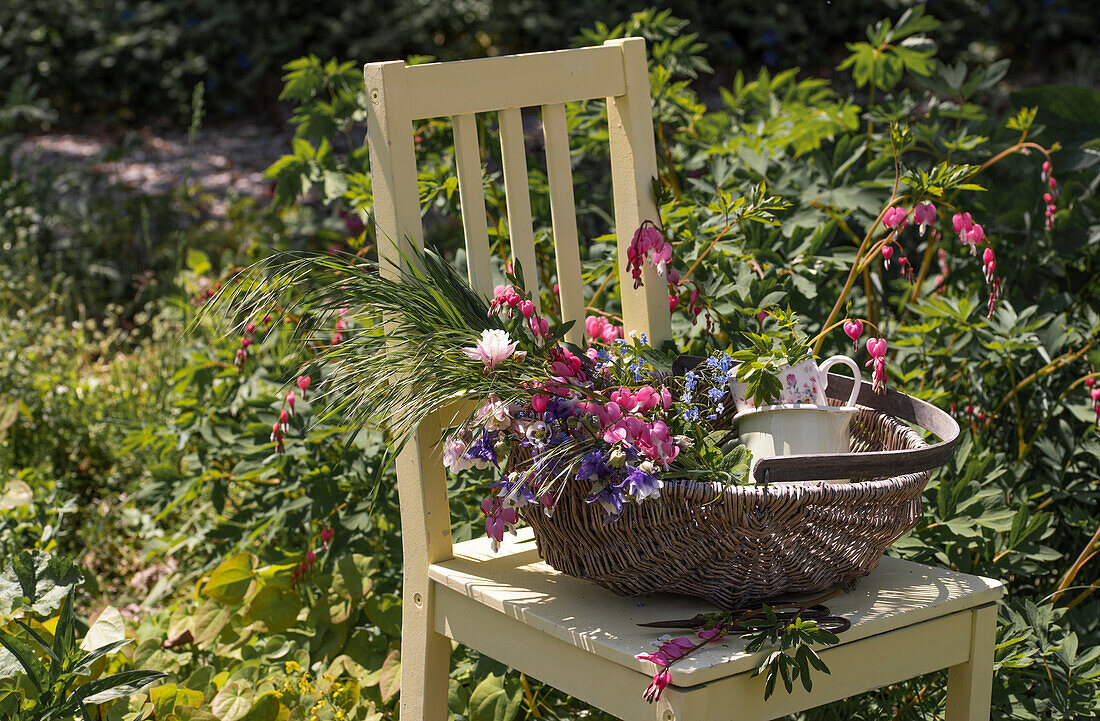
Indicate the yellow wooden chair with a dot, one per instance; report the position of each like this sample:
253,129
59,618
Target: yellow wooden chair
907,619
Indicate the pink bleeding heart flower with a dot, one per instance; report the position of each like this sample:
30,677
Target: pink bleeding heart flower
989,264
1095,394
896,218
303,385
659,658
290,400
710,634
648,246
887,254
853,329
660,681
924,215
974,237
1090,382
961,222
877,348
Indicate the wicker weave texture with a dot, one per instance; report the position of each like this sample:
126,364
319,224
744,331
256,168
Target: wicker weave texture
739,544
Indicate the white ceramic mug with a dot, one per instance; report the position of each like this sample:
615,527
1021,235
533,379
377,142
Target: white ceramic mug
795,429
803,383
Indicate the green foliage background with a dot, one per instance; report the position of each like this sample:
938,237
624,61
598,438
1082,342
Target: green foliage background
139,450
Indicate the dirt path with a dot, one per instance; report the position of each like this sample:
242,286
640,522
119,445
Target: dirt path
226,159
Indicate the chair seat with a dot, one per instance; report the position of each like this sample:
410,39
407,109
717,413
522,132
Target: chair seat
516,583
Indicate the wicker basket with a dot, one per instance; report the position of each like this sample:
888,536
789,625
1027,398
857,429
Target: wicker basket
733,545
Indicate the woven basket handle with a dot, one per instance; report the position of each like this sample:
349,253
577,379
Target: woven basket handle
875,464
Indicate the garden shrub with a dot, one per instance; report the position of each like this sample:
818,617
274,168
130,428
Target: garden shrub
127,59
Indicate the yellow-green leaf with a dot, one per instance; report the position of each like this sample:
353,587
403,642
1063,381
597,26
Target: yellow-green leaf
230,580
389,681
108,628
274,608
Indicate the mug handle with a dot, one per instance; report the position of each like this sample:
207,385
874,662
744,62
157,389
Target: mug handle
857,378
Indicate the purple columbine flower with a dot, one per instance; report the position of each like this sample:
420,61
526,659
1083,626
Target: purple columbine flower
484,449
517,491
610,500
642,485
593,467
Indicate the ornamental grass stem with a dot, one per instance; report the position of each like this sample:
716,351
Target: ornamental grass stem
1086,553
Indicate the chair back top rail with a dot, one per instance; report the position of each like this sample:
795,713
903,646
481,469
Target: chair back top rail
514,81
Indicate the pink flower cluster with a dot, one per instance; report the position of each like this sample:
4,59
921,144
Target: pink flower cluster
971,234
305,568
341,326
602,330
246,341
647,246
670,649
1051,195
279,429
511,299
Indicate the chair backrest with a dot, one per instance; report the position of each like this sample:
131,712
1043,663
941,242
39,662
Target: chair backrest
398,95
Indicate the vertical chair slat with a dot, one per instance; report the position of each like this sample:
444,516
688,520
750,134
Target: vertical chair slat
563,215
471,197
633,167
516,191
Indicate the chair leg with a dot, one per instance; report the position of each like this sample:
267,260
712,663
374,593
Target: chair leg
425,662
970,684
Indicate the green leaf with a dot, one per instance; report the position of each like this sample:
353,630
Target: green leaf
230,581
36,579
384,611
265,708
352,576
115,686
491,700
198,262
28,660
233,701
208,622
